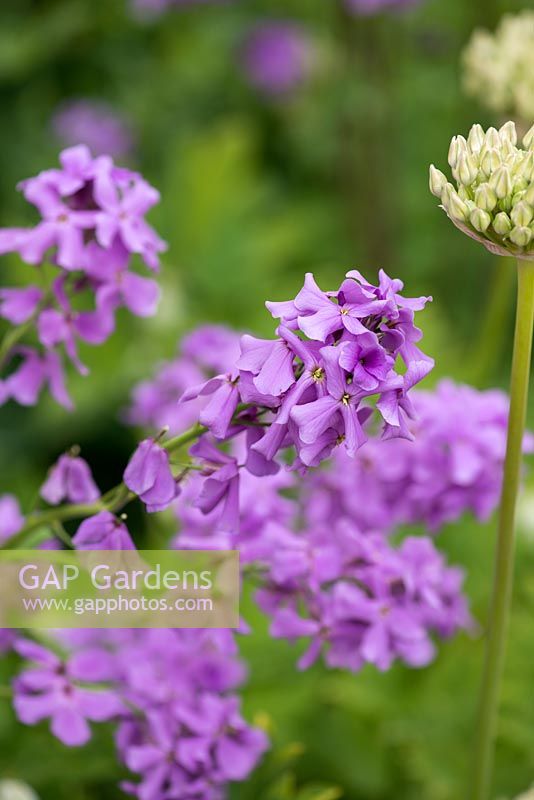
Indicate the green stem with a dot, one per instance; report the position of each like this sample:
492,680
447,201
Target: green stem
113,501
489,344
504,556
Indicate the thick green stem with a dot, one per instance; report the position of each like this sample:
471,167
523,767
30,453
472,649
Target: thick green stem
113,501
504,556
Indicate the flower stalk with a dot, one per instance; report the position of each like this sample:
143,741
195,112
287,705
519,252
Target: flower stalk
504,555
112,501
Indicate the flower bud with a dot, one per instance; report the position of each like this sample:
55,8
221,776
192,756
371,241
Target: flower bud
437,181
490,160
502,224
528,197
501,182
480,220
522,214
521,236
508,132
466,169
456,207
485,197
528,139
493,139
475,140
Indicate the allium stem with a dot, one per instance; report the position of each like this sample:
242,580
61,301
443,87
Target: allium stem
488,346
504,556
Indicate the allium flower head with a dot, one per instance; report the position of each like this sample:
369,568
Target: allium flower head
277,57
492,196
499,66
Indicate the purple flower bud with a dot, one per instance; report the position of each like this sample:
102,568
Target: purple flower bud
149,475
103,532
69,479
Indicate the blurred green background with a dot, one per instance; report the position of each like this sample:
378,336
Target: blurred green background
256,191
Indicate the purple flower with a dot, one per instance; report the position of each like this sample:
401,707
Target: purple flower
11,519
220,488
103,531
70,479
149,476
47,690
342,400
34,372
95,124
218,412
277,57
123,202
92,222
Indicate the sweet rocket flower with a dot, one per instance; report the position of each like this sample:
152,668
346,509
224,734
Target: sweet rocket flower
155,403
217,747
363,600
453,465
173,693
70,479
313,393
34,371
103,531
49,690
148,474
95,124
19,305
493,201
220,488
123,204
116,284
11,519
277,57
92,221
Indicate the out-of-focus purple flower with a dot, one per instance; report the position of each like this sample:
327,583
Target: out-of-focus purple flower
149,9
70,479
277,57
34,371
368,7
208,350
18,305
48,690
103,531
92,222
95,124
11,519
149,475
172,692
453,465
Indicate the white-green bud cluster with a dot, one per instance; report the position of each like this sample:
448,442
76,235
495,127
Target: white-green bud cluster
499,67
492,196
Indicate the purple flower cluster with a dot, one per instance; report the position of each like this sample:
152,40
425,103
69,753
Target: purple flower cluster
92,222
357,596
359,599
277,57
95,124
171,694
313,387
453,465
